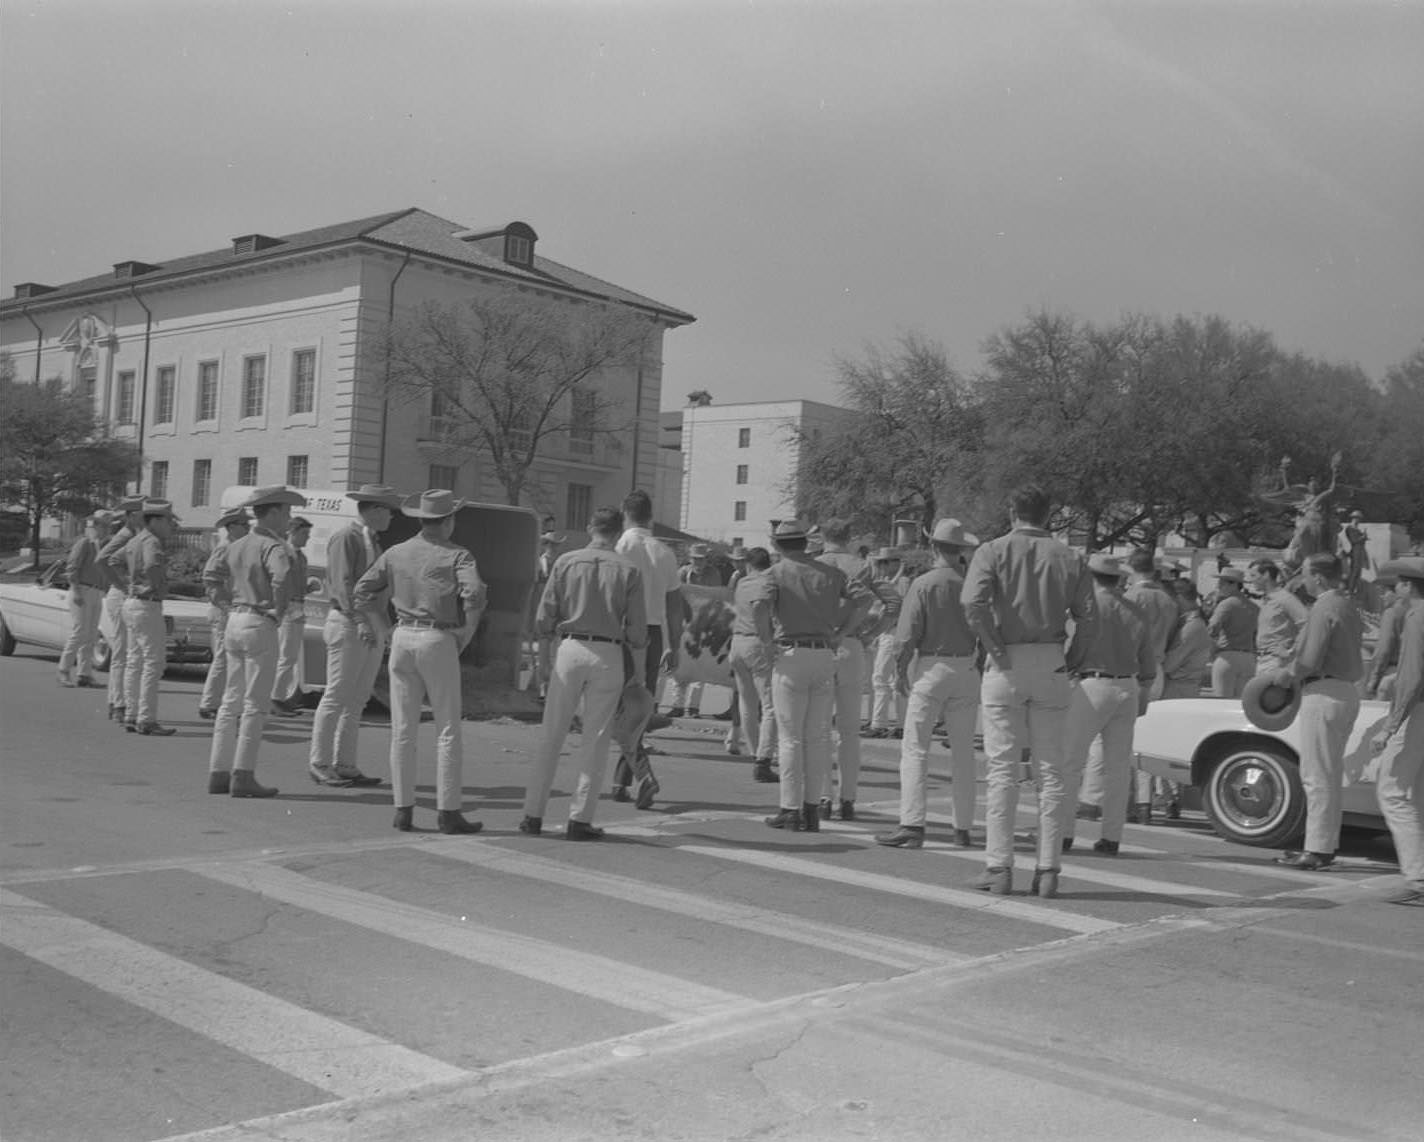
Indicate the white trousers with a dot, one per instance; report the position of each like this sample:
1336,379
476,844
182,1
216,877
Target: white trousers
84,606
1105,709
118,646
250,645
947,686
802,692
288,682
591,674
1400,791
751,669
147,654
887,708
1328,709
351,669
215,684
424,662
1230,671
1025,708
850,683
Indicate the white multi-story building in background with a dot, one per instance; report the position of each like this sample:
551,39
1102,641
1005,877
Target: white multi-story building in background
255,364
739,464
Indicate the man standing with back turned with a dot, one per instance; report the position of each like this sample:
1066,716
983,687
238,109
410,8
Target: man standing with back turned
1019,593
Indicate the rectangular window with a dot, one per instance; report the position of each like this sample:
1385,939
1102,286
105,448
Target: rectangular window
124,406
304,381
158,480
744,438
208,391
89,384
584,412
202,483
741,473
297,468
247,471
443,476
739,510
254,386
580,506
521,435
736,541
164,395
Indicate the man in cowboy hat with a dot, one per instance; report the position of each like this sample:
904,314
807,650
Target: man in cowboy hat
147,567
87,583
738,556
751,669
887,707
1115,682
1232,627
438,597
850,678
351,664
1327,667
234,525
1400,741
129,519
687,696
802,610
933,633
1280,615
1019,593
287,685
594,604
259,569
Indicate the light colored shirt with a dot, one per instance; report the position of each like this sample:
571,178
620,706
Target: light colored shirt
428,580
1409,682
745,593
82,567
1023,587
216,577
1279,618
349,554
113,560
1188,658
259,568
147,566
859,570
1391,629
657,567
804,598
1233,624
595,591
1123,648
1161,613
932,618
1329,645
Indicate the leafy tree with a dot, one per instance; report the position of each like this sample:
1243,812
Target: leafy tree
52,459
1396,469
504,375
914,441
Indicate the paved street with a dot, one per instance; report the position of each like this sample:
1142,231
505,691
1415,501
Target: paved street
175,965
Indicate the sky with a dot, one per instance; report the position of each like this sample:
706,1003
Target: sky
806,178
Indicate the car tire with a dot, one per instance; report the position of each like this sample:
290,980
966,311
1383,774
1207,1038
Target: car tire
1253,796
103,653
7,640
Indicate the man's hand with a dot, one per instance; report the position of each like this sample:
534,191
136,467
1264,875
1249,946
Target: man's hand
1144,699
902,684
368,636
1283,677
669,659
1380,740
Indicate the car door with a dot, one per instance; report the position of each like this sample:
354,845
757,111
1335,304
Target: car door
38,612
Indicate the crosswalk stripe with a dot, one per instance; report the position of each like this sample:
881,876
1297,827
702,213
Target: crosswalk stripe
1071,868
902,954
323,1052
597,977
1045,915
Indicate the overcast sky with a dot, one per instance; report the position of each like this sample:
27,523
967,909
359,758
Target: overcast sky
804,177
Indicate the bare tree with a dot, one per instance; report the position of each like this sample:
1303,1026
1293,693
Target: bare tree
506,375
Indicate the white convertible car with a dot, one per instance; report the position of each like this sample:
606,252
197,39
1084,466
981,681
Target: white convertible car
37,612
1248,777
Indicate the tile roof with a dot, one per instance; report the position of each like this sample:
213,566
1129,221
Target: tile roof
411,229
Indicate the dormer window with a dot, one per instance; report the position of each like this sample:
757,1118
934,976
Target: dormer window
251,243
125,270
518,249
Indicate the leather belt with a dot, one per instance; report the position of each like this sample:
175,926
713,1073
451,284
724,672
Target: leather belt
593,638
1104,674
803,643
427,624
1320,678
249,609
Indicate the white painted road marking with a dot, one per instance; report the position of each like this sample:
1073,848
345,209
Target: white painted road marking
598,977
323,1052
885,950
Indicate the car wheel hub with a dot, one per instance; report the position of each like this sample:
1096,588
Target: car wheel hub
1250,794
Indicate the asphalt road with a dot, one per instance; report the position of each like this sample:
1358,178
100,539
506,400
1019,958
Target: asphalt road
174,964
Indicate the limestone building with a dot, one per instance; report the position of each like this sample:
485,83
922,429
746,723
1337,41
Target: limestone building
255,363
